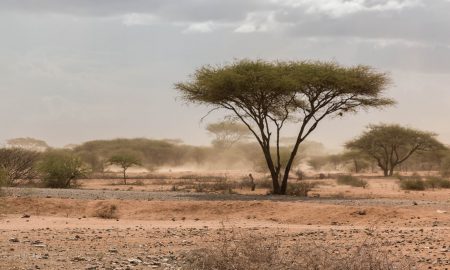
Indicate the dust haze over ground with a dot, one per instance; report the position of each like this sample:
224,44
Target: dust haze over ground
93,80
84,71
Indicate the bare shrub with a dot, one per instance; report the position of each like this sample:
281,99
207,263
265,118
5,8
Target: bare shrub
106,211
299,189
352,181
256,252
17,163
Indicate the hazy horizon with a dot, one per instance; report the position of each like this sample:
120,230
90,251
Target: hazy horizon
76,71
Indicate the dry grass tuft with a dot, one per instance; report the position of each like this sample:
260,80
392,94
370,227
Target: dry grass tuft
256,252
106,211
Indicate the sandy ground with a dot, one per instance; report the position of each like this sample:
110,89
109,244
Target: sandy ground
154,229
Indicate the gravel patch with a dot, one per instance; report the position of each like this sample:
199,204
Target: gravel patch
86,194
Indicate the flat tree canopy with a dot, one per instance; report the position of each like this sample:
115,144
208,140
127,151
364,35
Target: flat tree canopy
266,95
391,145
227,133
125,160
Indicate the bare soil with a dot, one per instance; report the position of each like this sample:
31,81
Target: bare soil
155,228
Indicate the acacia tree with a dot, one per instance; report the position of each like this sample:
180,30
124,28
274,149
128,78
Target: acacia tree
28,143
265,96
227,133
391,145
125,160
17,163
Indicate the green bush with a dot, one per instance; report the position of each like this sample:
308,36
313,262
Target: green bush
351,181
437,182
414,182
60,168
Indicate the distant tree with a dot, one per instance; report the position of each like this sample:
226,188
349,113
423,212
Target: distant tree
28,143
391,145
59,168
125,160
227,133
17,163
358,159
318,162
266,95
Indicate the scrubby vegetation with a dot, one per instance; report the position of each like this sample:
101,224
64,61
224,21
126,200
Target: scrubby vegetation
352,181
417,182
257,252
300,189
17,163
106,211
60,169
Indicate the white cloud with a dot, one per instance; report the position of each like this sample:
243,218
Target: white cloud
201,27
131,19
338,8
258,22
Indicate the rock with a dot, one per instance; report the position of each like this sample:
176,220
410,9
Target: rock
134,261
360,212
441,211
14,240
26,216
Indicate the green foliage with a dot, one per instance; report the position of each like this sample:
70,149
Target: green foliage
413,182
3,178
125,159
266,95
437,182
60,168
351,181
391,145
152,153
227,133
28,143
445,166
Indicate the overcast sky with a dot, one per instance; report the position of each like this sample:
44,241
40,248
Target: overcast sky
77,70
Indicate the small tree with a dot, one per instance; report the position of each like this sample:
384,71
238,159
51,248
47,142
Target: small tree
227,133
17,163
125,160
391,145
60,168
266,95
358,159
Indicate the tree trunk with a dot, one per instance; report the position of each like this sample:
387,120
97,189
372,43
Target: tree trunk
273,172
391,171
356,166
124,176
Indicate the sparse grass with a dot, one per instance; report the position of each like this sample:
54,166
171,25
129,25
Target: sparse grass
106,211
351,181
203,178
254,251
